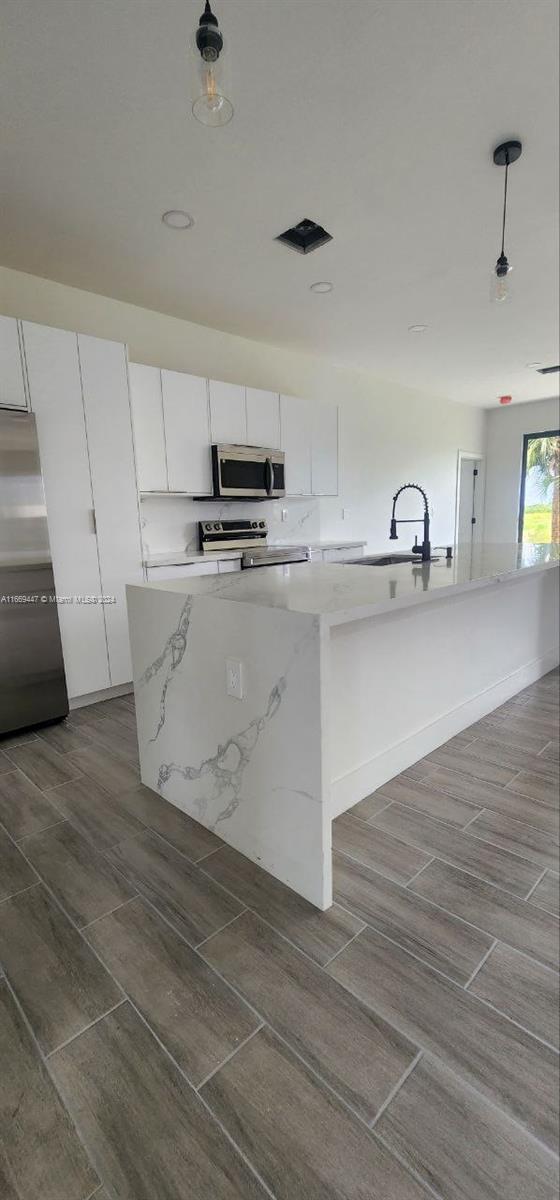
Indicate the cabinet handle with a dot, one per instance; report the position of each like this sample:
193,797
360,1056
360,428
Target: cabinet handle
93,521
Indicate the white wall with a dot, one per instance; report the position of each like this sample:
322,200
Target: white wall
389,434
505,430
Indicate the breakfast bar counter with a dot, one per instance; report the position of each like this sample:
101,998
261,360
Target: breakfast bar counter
342,676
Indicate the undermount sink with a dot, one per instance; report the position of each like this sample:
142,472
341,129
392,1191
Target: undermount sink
385,560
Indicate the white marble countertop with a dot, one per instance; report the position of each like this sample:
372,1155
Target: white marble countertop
179,558
339,592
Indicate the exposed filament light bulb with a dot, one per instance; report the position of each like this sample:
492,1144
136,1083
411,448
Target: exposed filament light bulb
211,106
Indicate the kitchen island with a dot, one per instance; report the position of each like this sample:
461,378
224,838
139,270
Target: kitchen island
345,675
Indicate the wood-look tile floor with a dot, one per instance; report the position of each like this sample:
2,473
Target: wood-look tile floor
176,1025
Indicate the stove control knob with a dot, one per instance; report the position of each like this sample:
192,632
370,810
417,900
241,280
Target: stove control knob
253,524
261,524
216,525
208,526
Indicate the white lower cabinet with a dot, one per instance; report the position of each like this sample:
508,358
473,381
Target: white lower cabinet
56,399
229,564
109,432
159,574
12,374
78,390
342,554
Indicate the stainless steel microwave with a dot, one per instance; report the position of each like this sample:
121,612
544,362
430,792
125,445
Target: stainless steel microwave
248,472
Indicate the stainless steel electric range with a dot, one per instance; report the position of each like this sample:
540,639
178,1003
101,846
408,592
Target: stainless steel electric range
250,536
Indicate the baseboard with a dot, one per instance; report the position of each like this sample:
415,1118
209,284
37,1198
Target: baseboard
122,689
355,785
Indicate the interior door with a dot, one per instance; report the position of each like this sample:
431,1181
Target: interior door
109,430
55,393
469,500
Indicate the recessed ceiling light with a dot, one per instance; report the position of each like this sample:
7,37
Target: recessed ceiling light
177,219
417,328
533,366
322,286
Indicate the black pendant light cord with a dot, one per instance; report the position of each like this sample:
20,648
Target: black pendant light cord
505,205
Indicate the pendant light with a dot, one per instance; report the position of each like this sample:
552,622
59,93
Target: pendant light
504,155
211,106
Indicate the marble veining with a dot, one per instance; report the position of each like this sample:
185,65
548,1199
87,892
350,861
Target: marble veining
224,771
173,654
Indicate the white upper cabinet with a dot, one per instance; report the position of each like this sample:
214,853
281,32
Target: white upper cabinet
324,449
12,385
109,432
296,430
187,433
149,438
263,418
228,417
56,399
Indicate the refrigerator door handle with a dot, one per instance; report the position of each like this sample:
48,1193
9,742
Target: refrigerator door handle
93,521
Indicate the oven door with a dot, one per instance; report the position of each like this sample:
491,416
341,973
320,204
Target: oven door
248,472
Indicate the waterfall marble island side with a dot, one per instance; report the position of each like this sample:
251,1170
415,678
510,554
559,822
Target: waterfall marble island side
349,675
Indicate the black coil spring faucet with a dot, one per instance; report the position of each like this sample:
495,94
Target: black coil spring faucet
425,549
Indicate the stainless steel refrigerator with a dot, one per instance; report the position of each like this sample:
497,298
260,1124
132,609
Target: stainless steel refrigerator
32,682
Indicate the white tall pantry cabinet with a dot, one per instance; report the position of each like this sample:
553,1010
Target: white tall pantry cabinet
78,390
111,457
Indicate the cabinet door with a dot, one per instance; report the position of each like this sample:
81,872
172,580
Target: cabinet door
109,431
342,554
324,450
227,565
12,386
149,438
187,433
263,418
295,419
56,399
228,418
160,574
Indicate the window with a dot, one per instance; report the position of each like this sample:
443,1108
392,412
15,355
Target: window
539,505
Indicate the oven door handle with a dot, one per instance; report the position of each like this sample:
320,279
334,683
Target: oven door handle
269,476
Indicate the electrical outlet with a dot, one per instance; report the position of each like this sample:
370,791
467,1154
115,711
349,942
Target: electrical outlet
234,678
284,514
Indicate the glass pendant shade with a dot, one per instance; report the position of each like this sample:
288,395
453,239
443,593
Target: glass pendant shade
210,101
500,283
211,106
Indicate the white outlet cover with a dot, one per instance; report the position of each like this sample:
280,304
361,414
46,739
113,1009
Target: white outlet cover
234,678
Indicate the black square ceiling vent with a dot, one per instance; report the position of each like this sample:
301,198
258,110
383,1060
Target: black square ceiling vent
305,236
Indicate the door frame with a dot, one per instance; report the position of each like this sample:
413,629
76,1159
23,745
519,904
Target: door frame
473,456
528,437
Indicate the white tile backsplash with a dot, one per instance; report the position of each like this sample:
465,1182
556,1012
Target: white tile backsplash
171,522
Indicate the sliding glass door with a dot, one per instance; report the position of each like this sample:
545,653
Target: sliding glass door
539,507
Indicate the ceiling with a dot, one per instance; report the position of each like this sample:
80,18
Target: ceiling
377,118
